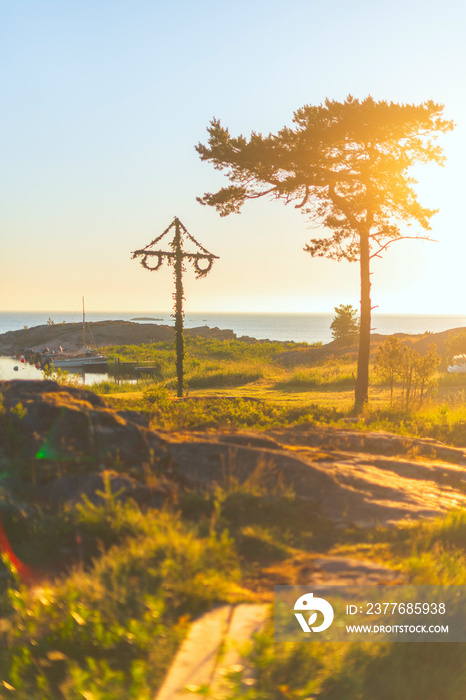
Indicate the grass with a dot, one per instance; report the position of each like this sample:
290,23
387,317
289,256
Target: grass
226,378
221,412
110,623
249,385
106,622
429,553
440,420
362,671
324,376
110,627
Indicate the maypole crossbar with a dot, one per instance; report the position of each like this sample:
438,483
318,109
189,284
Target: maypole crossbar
176,257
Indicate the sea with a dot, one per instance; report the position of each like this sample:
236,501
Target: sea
297,327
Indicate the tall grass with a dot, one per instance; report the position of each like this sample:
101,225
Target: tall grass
362,671
429,553
322,377
111,629
442,421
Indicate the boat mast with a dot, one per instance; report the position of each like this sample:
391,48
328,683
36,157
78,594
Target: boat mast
84,327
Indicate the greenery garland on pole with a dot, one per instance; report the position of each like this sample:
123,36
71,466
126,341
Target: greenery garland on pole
176,257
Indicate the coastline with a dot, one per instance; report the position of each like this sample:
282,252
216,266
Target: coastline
298,327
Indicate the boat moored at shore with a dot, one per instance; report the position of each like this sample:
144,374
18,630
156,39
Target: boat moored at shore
457,365
86,361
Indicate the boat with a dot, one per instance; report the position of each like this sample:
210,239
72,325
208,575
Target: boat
85,360
457,365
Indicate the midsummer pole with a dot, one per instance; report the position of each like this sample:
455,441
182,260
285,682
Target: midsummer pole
176,257
179,297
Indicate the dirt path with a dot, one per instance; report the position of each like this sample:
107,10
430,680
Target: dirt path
214,655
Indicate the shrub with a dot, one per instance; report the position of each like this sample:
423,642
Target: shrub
115,626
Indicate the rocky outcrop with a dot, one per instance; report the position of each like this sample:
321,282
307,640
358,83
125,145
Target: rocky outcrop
58,442
100,333
421,343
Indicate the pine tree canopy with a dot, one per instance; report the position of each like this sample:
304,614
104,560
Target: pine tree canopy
344,164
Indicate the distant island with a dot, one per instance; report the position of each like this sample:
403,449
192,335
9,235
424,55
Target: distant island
146,318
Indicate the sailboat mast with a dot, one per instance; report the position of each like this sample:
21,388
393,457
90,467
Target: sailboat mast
84,327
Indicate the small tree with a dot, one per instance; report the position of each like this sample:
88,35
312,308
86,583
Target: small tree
424,371
388,361
345,324
416,372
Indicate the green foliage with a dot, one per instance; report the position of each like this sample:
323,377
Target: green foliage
209,363
415,372
223,378
176,257
334,151
12,420
345,324
218,412
114,627
359,671
325,376
388,361
19,411
62,376
442,422
429,553
201,349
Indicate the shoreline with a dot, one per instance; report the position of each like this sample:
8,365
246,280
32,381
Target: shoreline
101,334
298,327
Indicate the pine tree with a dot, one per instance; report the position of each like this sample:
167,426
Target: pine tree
345,324
346,165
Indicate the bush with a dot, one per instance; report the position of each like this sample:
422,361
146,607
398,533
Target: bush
115,626
416,373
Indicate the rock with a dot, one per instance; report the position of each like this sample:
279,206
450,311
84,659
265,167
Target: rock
49,432
349,571
212,650
206,332
69,335
70,425
71,489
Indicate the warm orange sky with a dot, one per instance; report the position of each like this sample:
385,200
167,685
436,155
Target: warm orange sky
104,102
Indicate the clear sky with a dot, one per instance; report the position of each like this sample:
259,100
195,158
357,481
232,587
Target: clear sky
102,102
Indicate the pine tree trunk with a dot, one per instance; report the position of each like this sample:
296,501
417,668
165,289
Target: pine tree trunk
362,380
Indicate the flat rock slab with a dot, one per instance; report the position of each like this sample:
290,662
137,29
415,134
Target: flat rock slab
340,571
212,651
365,479
246,621
194,665
346,486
